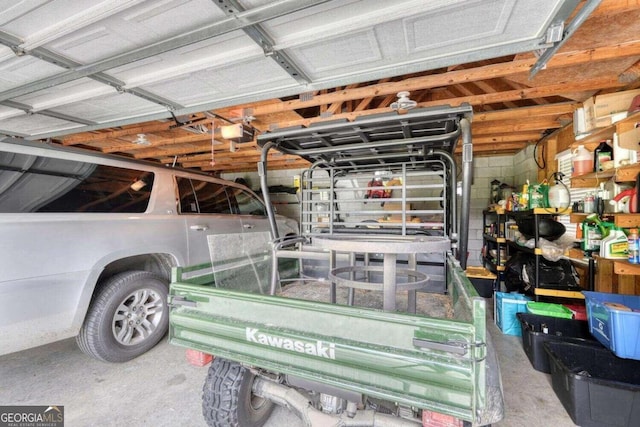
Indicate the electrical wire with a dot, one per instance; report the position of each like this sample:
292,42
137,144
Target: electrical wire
535,154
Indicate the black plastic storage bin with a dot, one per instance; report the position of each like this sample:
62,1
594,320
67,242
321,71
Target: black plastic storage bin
482,280
596,387
558,329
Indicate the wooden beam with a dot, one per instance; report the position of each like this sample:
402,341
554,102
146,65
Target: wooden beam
130,147
237,158
499,149
533,92
458,76
614,6
490,128
249,166
499,139
148,127
524,113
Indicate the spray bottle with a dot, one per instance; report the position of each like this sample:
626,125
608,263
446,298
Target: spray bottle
615,245
558,195
593,231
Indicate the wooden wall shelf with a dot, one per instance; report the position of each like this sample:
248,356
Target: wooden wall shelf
623,220
622,174
625,267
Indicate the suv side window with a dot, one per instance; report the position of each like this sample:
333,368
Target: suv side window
42,184
202,197
246,202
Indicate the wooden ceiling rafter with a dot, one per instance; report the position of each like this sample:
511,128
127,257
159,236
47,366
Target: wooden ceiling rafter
482,72
510,110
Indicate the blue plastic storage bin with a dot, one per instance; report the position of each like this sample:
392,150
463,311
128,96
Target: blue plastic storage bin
614,320
505,309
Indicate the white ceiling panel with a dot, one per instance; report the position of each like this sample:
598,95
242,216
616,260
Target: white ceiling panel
227,49
16,71
47,21
341,17
35,124
439,34
144,23
103,63
8,112
244,79
77,90
109,108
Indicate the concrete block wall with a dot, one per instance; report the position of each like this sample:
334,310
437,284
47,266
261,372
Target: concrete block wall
525,165
485,170
510,169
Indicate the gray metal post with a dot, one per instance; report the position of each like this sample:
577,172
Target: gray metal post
467,177
262,171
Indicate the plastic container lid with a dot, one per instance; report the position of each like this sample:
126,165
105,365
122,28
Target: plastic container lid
549,309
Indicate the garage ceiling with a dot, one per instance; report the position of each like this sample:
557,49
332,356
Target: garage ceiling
98,74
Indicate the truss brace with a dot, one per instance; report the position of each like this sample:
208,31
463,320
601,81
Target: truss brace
580,17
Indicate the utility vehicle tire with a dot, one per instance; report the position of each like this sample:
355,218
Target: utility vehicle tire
127,317
227,399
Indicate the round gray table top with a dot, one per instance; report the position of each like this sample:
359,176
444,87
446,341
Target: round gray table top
383,244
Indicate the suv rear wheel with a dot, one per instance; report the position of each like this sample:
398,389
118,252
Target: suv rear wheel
127,317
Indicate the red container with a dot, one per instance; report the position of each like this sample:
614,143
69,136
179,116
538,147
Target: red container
579,311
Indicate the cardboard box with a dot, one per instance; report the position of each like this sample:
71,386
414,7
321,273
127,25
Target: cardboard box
601,109
630,139
579,121
395,206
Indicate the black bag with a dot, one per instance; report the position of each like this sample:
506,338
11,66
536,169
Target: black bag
520,274
513,273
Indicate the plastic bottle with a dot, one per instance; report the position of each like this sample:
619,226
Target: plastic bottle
604,250
589,203
582,161
524,196
632,239
602,153
615,245
558,195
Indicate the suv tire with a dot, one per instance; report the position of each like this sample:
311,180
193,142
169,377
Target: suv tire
127,317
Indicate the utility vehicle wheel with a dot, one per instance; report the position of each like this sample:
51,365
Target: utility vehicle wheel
227,399
127,317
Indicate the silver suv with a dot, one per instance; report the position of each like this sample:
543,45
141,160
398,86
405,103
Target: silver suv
88,242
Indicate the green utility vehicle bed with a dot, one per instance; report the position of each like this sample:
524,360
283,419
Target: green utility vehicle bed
439,364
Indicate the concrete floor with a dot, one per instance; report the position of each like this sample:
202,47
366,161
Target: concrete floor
161,389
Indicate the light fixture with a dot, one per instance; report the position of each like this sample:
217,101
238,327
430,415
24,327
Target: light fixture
403,102
231,131
141,140
138,185
239,132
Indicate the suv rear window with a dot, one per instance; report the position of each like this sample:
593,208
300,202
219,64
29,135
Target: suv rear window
246,202
202,197
42,184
